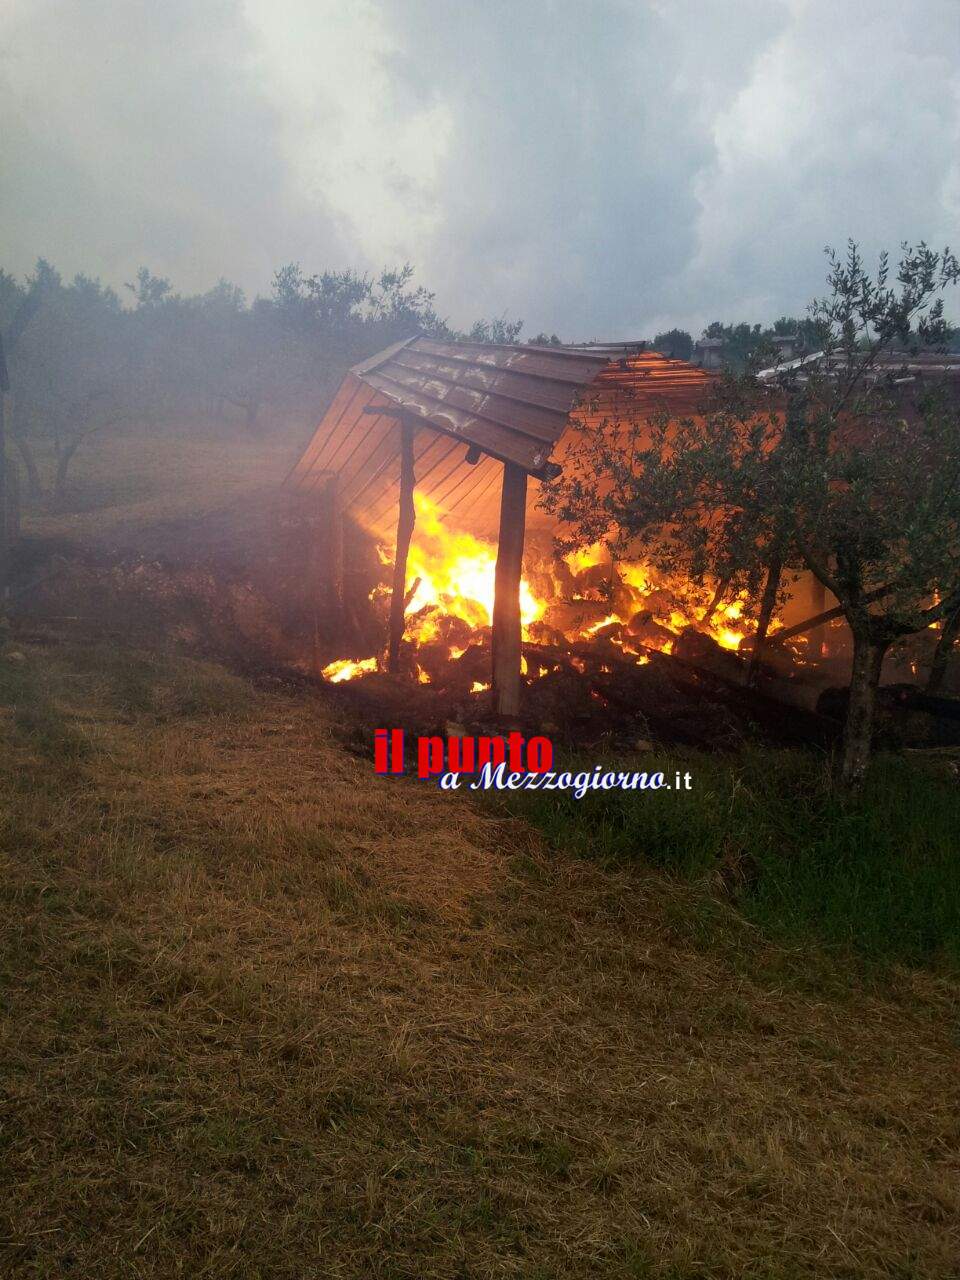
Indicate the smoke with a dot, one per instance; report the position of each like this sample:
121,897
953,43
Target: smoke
600,169
137,132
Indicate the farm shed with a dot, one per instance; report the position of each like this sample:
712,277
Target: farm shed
475,427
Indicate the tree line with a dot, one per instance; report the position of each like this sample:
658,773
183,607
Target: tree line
82,357
742,344
746,346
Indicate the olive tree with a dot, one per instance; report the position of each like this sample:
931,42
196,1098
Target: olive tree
69,370
840,467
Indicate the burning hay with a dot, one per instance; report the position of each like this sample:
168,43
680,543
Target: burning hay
610,649
581,598
428,428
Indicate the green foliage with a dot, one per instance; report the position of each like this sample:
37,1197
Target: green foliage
692,493
149,289
675,343
501,329
12,294
876,873
860,518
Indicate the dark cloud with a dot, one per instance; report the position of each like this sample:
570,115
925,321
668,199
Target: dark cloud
567,192
618,165
597,168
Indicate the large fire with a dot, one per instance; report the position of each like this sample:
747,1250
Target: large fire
455,576
582,597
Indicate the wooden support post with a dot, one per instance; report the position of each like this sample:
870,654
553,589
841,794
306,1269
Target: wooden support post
405,522
506,602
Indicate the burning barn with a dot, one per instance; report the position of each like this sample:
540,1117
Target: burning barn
438,450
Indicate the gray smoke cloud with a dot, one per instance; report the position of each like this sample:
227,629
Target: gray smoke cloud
601,169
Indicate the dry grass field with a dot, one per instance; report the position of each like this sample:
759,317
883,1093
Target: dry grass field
266,1015
125,480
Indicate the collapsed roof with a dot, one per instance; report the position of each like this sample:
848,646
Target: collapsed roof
475,406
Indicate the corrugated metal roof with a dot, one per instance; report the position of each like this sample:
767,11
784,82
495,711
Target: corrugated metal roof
511,403
893,366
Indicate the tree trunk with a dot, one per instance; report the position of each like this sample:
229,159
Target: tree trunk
818,605
868,657
65,455
941,656
767,606
715,602
34,483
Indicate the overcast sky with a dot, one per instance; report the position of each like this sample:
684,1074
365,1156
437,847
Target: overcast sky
602,168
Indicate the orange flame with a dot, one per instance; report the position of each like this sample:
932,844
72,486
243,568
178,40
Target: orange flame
453,574
456,573
347,669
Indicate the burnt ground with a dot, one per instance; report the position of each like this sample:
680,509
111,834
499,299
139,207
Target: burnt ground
235,586
239,585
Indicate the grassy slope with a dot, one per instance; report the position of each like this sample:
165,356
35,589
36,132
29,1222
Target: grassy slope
266,1015
878,873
